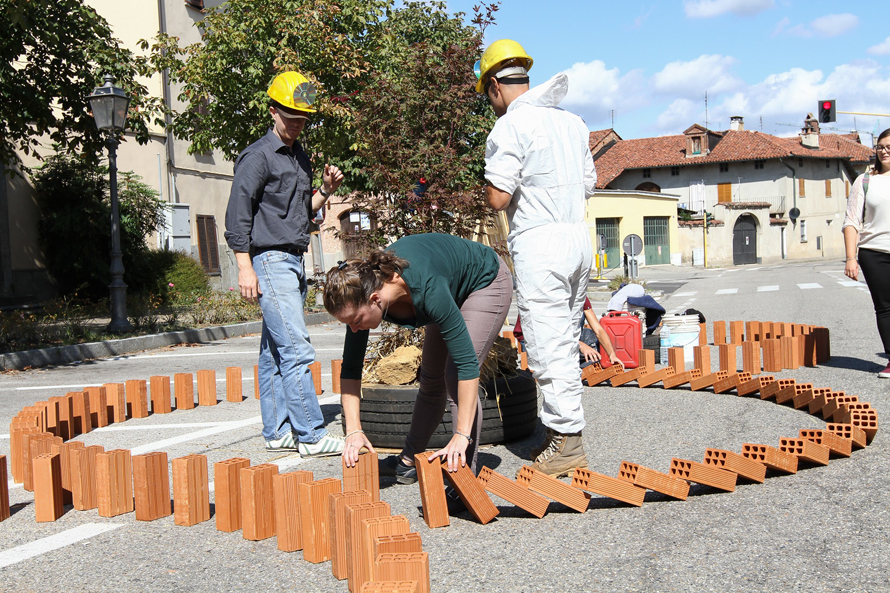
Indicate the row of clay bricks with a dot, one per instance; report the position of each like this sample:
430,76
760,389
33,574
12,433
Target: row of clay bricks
756,331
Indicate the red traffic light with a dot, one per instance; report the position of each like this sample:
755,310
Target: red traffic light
826,104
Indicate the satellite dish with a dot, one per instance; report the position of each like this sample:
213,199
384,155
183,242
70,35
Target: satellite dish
794,214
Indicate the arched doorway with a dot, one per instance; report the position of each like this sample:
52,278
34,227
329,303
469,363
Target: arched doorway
744,240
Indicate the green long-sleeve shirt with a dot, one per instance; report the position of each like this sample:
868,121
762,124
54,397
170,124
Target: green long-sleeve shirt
443,271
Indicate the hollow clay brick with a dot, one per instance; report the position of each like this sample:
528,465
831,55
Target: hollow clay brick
184,390
836,408
151,485
114,482
432,490
867,420
823,344
751,357
707,381
737,463
286,498
397,544
159,392
34,444
855,434
771,390
256,381
80,418
681,379
655,377
677,359
233,385
653,480
736,332
315,369
628,376
207,388
336,367
809,350
137,398
257,508
772,355
83,479
66,452
337,503
608,486
594,374
731,381
48,505
647,358
702,359
17,431
819,401
771,457
227,493
390,587
355,514
728,360
404,567
52,415
786,395
364,475
116,395
505,488
191,490
471,493
838,445
702,334
752,331
523,360
552,488
369,530
98,406
803,398
315,517
805,450
4,490
692,471
719,332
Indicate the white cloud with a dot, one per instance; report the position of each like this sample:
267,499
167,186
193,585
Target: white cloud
703,9
594,91
678,116
830,25
881,49
691,79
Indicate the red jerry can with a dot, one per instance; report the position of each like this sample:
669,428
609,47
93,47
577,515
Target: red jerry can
626,334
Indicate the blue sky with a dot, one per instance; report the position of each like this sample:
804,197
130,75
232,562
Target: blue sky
652,62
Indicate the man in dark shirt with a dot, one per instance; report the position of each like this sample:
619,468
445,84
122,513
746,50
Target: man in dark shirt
267,226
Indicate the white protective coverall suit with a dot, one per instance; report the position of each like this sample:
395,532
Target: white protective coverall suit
539,153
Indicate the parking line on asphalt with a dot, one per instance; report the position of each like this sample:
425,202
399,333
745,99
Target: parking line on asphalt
727,291
54,542
682,294
809,285
767,288
113,427
855,283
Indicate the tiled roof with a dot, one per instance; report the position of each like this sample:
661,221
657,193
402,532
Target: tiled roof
597,136
735,145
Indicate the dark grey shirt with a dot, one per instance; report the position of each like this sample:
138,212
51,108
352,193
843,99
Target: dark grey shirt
271,200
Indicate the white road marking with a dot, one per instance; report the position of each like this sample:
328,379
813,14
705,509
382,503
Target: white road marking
733,270
55,542
767,288
727,291
114,427
809,285
681,294
852,283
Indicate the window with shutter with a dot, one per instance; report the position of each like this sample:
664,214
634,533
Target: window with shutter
724,192
801,188
208,249
828,188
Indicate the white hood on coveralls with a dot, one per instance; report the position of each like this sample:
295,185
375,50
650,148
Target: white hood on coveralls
548,94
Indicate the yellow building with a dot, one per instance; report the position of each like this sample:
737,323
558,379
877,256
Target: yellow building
652,216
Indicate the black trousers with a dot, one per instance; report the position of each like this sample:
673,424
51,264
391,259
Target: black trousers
875,267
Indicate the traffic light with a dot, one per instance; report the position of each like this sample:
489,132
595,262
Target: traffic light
827,111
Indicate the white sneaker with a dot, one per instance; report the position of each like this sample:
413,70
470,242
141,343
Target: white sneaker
328,445
285,443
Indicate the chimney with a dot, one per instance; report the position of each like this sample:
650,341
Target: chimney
809,135
737,123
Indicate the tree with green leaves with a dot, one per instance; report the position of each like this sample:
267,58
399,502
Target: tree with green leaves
52,55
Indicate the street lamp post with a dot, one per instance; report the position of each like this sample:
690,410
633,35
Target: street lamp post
109,105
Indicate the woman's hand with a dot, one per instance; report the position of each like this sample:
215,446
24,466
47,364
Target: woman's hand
454,452
354,444
590,354
615,360
851,270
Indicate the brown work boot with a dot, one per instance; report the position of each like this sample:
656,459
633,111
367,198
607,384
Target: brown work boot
563,454
548,433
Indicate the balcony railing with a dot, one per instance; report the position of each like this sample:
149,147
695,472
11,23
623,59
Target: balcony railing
776,203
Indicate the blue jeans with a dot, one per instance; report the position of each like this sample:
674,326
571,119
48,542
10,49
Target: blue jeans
287,392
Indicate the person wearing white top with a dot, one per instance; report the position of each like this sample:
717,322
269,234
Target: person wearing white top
539,169
867,227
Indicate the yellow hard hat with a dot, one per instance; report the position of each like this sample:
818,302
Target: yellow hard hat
498,54
293,90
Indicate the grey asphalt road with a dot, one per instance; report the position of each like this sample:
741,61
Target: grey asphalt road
822,529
